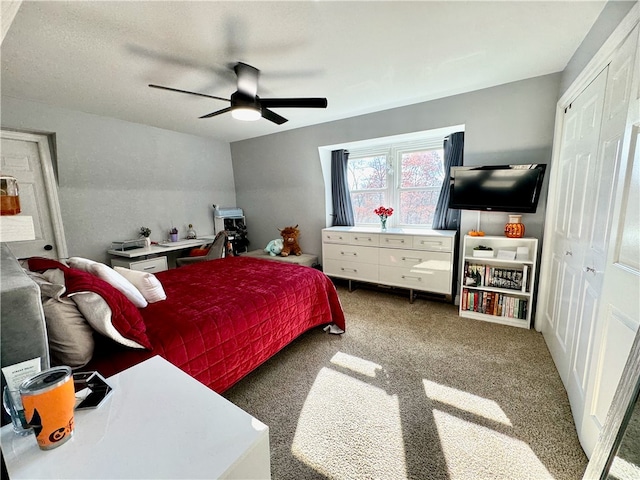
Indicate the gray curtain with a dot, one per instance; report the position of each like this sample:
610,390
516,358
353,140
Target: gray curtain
445,218
342,209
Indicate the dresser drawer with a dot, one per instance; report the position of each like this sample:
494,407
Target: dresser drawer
351,253
396,257
433,244
366,239
356,271
150,265
395,241
335,237
423,278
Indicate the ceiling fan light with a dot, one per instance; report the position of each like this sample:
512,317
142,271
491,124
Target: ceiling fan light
248,114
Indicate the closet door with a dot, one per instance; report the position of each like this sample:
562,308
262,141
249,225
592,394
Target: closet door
589,355
614,272
572,218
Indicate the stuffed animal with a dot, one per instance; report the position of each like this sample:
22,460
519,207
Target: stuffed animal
290,239
274,247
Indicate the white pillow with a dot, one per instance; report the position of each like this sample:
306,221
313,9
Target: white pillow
81,263
147,283
110,276
97,312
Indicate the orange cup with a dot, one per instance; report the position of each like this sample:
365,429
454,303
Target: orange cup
48,399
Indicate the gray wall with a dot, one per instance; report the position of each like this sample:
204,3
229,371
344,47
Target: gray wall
279,179
611,15
115,176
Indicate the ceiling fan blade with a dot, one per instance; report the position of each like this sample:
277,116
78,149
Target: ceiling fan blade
218,112
190,93
294,102
247,79
273,117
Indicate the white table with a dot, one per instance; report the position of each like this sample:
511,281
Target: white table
153,259
162,248
158,423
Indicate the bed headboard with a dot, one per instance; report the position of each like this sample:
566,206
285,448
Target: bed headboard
24,333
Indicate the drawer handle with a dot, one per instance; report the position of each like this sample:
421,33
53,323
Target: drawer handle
354,254
349,270
430,241
412,258
401,240
368,239
409,277
149,268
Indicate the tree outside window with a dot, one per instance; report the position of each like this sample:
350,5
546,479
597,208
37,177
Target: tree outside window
368,185
421,177
419,173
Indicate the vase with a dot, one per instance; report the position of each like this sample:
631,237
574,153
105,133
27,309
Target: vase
147,242
514,228
383,225
174,237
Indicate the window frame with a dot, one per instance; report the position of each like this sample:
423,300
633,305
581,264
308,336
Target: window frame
393,153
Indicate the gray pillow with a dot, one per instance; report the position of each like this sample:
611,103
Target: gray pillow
71,340
70,336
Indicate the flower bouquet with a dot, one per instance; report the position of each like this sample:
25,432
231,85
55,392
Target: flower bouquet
383,213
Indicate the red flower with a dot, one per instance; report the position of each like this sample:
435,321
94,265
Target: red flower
383,212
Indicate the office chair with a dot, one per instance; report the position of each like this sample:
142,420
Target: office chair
217,250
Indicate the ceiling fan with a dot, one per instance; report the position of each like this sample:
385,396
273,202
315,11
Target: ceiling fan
245,102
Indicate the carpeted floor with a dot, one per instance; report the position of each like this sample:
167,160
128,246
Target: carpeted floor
414,391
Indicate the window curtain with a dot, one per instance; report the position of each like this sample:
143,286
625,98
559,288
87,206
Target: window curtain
446,218
342,209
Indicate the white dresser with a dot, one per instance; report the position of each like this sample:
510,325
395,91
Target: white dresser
414,259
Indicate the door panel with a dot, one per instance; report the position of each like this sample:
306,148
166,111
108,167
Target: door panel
580,195
628,253
618,334
607,173
588,305
552,299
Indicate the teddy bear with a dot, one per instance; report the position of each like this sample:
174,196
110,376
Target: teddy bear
290,239
274,247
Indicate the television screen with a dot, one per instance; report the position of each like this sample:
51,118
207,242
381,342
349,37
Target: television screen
502,188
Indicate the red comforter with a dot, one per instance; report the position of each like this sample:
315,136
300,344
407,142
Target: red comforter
223,318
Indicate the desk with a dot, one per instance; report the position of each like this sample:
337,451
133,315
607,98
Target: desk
158,423
161,249
153,259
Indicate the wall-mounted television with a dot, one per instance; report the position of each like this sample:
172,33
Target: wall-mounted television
498,188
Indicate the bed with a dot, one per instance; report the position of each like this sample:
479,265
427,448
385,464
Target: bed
221,319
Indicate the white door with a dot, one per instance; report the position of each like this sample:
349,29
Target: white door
27,157
619,314
589,162
578,155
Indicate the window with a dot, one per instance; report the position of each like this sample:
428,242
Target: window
407,177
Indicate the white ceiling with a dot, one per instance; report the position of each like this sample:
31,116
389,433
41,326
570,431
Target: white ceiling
98,57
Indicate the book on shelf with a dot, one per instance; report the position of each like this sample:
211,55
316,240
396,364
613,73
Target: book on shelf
494,303
480,275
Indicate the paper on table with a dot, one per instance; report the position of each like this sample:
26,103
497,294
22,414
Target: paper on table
17,373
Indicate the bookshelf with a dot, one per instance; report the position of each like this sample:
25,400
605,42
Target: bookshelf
498,279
